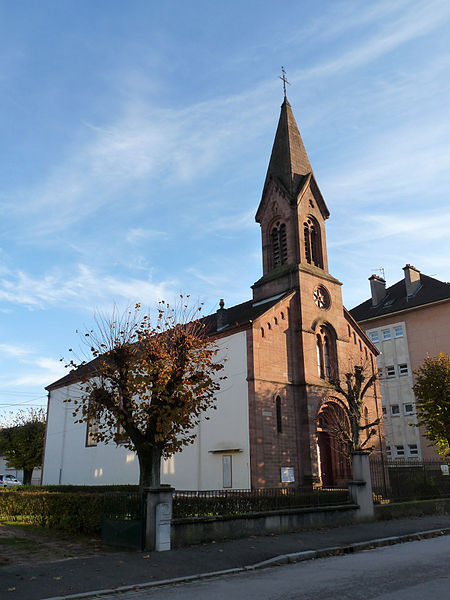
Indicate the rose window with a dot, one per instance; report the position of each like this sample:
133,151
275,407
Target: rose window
321,297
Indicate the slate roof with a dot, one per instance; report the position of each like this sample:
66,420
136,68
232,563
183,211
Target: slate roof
234,317
431,290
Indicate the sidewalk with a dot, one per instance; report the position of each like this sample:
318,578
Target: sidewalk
110,570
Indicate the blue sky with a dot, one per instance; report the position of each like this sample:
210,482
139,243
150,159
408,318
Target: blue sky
136,137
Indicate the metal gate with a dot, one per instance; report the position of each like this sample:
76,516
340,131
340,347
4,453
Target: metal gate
123,522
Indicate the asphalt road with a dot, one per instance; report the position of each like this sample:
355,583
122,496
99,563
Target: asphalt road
410,571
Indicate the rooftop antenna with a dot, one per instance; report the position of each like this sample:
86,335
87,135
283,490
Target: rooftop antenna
284,80
381,270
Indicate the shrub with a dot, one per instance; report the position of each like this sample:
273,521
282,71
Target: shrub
85,489
74,513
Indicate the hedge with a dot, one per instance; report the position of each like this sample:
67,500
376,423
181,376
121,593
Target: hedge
74,513
85,489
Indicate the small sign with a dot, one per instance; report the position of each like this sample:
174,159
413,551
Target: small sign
444,469
163,520
287,475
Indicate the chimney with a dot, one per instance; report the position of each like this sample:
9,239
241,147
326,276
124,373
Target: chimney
412,280
377,289
221,322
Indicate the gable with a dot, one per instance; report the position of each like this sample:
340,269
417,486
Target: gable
310,184
274,191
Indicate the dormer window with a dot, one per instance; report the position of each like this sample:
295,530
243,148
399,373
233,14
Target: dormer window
279,244
313,247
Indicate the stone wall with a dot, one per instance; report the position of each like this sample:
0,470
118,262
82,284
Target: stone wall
207,529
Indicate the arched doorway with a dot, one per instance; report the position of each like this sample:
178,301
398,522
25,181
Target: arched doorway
333,456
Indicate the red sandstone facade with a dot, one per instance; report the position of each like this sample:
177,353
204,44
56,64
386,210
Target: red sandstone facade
305,337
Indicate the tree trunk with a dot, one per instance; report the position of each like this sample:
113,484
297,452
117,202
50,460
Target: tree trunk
150,467
27,475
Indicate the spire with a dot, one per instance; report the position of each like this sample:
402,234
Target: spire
289,162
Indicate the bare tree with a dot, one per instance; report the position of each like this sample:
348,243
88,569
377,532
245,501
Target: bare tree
353,386
147,384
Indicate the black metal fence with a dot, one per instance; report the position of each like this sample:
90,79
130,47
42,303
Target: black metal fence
123,521
233,502
401,480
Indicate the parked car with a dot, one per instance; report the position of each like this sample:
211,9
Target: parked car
8,480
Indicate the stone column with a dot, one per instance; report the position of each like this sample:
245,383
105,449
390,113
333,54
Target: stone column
361,486
158,518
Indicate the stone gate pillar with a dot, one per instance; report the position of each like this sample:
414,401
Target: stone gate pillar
361,486
158,518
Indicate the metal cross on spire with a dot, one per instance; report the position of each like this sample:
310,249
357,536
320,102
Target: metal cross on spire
284,80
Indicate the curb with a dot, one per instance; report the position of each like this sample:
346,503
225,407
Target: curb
282,559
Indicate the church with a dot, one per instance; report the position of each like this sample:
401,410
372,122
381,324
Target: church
276,416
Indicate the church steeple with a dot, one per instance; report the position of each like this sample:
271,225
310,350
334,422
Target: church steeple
292,214
289,162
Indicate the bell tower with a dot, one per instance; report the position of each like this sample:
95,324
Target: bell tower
306,338
292,214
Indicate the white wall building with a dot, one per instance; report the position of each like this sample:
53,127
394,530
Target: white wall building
396,382
407,321
219,457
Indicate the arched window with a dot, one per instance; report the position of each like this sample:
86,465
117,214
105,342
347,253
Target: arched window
307,243
312,241
279,244
326,356
320,368
327,366
278,411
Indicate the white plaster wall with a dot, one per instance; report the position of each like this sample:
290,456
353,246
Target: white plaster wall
396,390
68,460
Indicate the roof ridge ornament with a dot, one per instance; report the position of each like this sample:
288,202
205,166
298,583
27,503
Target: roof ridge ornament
284,80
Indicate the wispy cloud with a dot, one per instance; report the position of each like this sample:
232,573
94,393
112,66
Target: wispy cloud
232,224
400,162
430,227
169,145
42,372
138,235
405,228
420,19
15,351
86,289
173,145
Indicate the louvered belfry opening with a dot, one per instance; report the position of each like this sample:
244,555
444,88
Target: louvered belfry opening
313,251
279,245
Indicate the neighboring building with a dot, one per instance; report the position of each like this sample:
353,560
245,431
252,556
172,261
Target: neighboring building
18,473
276,411
407,322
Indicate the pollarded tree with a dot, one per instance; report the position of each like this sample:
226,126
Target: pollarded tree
353,386
432,390
148,384
22,441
